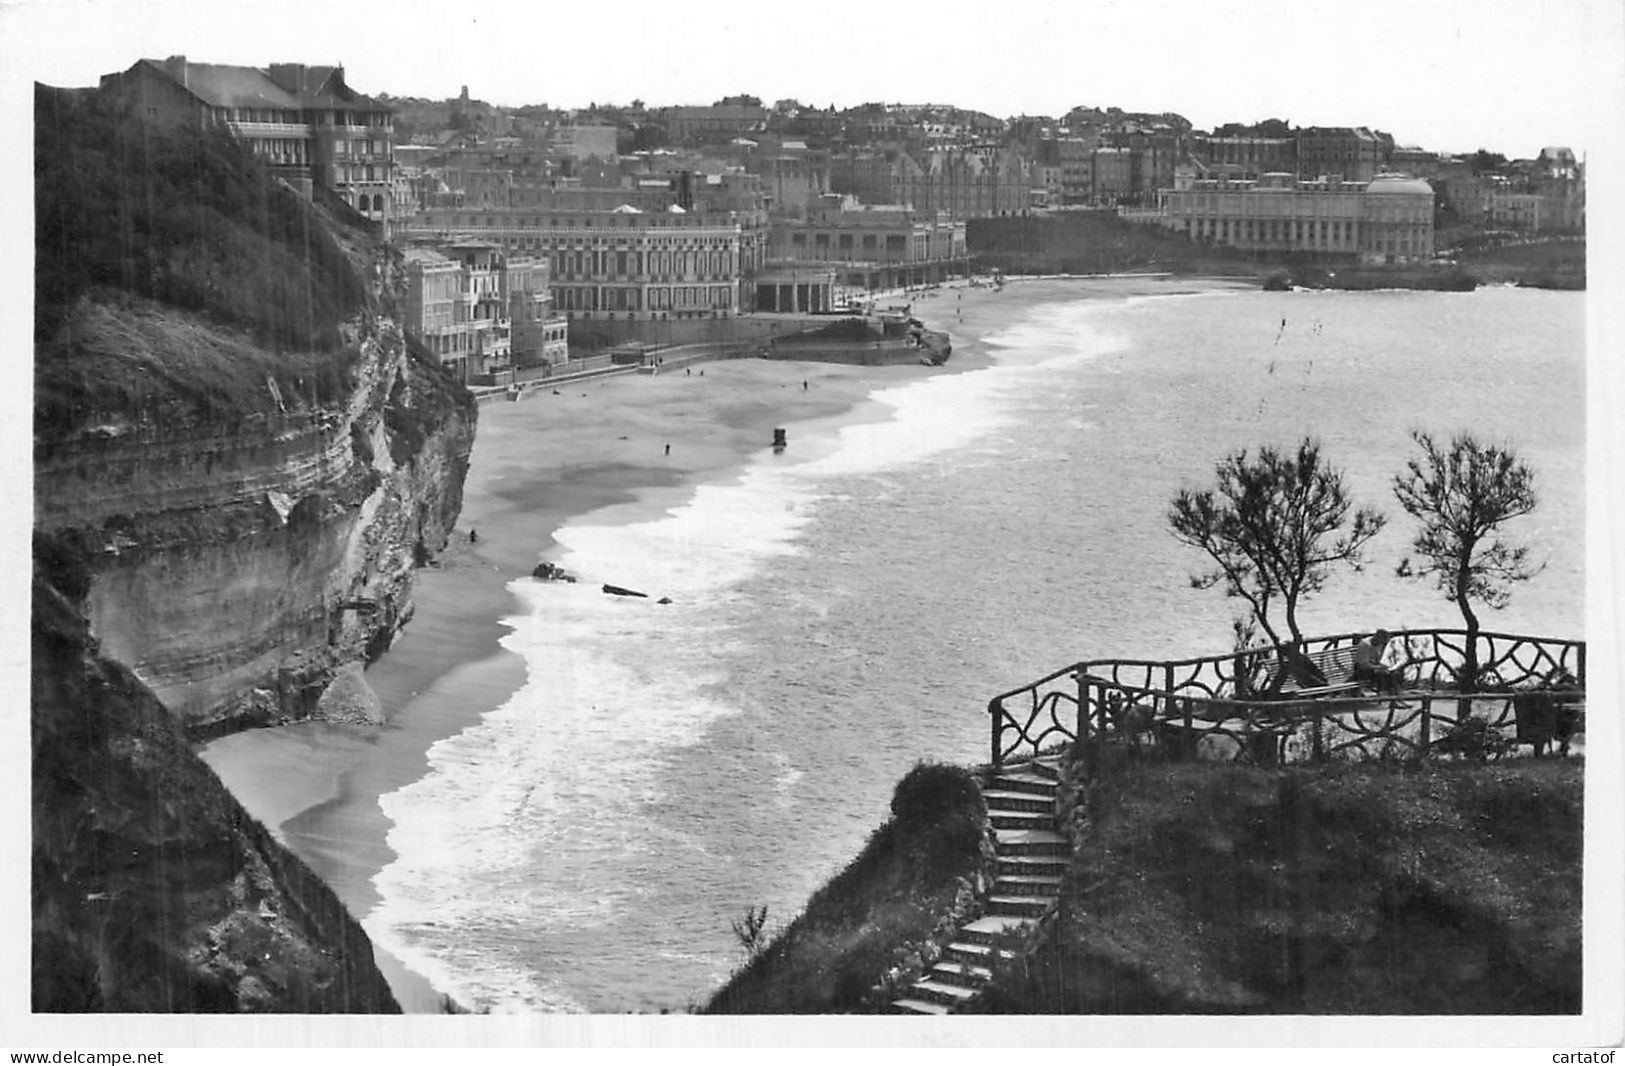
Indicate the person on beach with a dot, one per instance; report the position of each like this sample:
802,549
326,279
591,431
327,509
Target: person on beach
668,449
1369,669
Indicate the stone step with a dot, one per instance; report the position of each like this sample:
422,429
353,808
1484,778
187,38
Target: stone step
1032,865
1040,841
942,992
910,1005
974,953
971,975
1049,766
1019,801
1022,906
1024,782
1027,885
990,928
1021,820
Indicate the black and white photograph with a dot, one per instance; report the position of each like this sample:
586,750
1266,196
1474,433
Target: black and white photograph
735,526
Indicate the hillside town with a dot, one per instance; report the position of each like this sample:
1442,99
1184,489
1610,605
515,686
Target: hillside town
533,235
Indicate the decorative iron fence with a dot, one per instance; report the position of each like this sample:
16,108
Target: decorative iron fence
1529,689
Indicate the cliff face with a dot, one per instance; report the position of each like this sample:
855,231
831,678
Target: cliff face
153,890
240,558
238,461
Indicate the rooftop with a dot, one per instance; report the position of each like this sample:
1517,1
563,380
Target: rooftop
1399,185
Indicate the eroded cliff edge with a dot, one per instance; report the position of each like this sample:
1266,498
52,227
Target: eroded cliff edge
229,426
153,890
238,462
237,562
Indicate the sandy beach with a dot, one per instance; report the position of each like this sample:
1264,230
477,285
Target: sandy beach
596,447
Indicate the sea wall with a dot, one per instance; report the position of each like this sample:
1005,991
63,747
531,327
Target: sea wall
894,352
590,335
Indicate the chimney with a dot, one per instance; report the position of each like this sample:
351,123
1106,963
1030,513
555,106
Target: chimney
290,76
176,65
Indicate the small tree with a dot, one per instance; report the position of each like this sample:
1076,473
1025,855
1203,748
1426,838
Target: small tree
1460,496
1274,526
750,930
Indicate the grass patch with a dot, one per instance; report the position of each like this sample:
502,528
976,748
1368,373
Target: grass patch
897,891
138,360
1359,889
185,217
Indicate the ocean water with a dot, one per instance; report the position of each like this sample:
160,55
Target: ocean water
836,619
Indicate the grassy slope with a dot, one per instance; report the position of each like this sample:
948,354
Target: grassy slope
1202,888
172,273
898,891
1349,889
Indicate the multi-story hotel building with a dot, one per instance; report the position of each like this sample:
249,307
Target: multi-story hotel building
962,182
1246,157
659,247
1340,153
1386,220
483,313
312,128
615,264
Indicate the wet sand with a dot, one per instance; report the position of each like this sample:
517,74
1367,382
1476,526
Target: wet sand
593,447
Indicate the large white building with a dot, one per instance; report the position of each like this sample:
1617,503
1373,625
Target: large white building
616,264
1386,220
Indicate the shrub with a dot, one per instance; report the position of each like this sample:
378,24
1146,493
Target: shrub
933,793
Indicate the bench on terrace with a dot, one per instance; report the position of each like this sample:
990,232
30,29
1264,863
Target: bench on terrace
1318,673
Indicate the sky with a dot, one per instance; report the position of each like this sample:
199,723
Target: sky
1448,75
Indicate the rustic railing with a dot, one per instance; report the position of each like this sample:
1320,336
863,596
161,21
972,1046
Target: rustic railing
1218,703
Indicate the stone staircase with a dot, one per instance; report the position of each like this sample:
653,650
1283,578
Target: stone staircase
1032,856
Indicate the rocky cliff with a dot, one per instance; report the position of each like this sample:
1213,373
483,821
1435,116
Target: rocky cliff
229,426
153,890
239,559
238,462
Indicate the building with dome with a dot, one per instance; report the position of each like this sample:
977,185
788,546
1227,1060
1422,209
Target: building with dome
1387,220
1397,222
